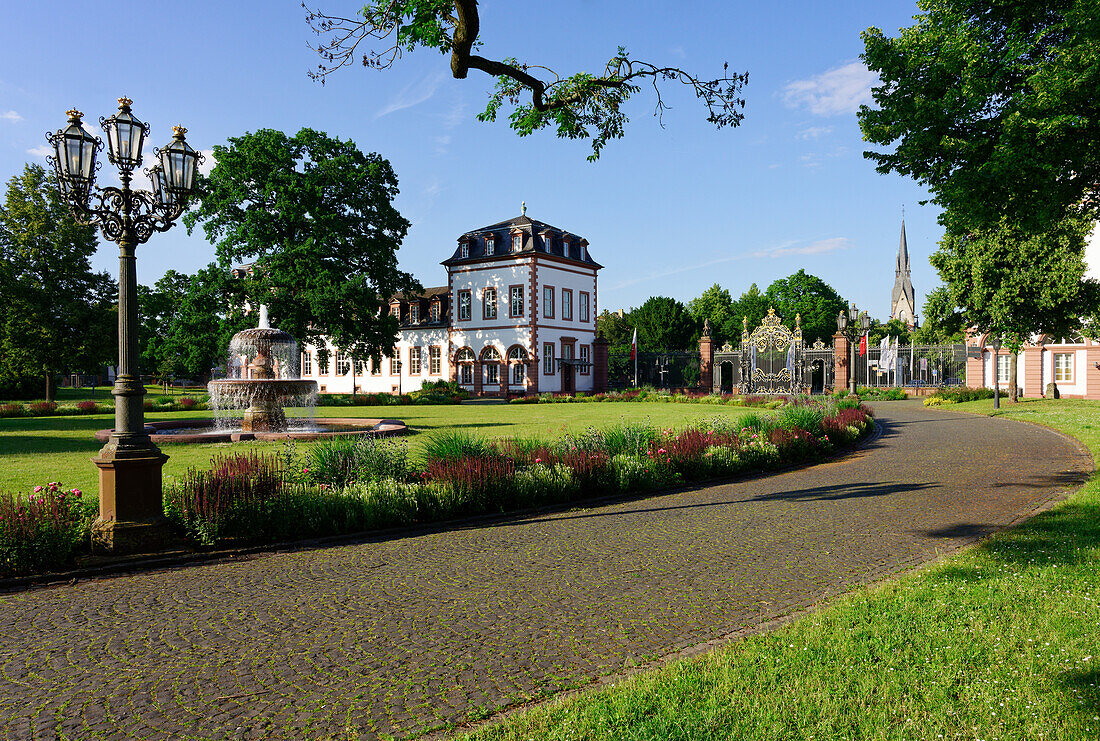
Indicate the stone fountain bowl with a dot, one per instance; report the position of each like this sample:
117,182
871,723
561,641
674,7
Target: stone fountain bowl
228,388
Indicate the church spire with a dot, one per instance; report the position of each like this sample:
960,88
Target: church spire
903,301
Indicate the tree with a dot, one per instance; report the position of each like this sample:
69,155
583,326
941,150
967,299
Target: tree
993,107
314,216
942,322
812,298
664,324
58,315
1011,284
204,323
580,106
157,307
614,328
895,328
716,306
752,307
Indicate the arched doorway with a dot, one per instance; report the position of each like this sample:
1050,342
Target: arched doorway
725,377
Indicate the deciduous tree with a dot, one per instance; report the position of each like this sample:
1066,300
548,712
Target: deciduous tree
58,315
577,106
314,217
814,299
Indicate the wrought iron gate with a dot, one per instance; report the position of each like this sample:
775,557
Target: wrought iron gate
772,357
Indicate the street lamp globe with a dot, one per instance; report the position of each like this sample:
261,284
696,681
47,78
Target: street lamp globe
159,180
864,321
180,164
125,135
842,321
74,157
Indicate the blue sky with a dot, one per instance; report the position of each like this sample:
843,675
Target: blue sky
667,210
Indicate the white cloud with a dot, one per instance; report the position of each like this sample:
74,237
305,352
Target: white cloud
820,247
41,151
412,94
811,133
455,116
785,249
11,116
441,143
840,90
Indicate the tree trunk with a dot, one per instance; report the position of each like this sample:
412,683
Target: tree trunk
996,377
1014,389
51,386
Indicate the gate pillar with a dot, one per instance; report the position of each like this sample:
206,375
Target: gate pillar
840,352
706,358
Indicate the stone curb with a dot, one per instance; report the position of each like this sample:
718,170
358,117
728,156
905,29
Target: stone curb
152,562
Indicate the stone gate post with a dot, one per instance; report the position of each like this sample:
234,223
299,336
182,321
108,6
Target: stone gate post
840,366
706,359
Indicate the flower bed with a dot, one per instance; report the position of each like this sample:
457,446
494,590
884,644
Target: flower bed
348,485
43,530
959,395
652,395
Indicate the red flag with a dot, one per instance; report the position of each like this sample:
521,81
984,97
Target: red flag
862,346
634,345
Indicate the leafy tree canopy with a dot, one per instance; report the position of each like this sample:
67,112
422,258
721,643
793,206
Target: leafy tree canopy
616,329
664,324
1011,283
314,217
942,322
992,105
579,106
58,316
812,298
895,328
753,307
716,305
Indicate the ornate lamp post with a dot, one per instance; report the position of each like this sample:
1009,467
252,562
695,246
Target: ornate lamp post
852,324
130,507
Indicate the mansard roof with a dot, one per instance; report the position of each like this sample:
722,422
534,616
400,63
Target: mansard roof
538,238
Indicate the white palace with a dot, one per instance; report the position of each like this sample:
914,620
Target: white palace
517,316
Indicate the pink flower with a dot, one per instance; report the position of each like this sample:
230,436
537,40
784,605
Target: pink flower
37,489
661,451
538,460
77,492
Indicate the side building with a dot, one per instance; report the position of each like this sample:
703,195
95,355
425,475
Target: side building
517,316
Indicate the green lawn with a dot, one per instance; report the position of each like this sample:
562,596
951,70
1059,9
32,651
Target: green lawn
35,450
1001,641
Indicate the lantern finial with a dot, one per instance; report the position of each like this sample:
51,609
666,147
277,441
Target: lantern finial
124,103
179,131
74,115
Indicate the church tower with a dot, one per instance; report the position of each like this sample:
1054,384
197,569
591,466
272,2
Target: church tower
903,303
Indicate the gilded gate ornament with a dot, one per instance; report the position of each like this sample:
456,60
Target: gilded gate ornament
769,339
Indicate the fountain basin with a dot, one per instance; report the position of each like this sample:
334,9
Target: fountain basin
207,430
263,399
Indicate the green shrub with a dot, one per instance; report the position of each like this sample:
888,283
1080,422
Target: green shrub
450,445
629,438
805,417
42,531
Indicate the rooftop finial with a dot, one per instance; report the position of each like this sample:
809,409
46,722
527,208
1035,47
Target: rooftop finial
523,207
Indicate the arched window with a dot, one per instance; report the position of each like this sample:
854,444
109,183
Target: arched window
517,356
490,355
465,355
517,353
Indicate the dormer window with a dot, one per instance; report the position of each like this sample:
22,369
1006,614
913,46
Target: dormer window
414,313
565,248
433,311
490,245
517,242
464,249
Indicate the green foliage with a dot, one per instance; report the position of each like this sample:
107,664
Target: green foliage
812,298
941,322
314,216
453,444
868,393
992,106
895,329
1012,283
341,461
577,106
664,324
716,305
42,531
58,315
802,417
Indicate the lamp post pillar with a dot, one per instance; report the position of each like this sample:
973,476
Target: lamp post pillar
131,509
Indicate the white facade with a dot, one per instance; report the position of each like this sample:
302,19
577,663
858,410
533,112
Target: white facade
517,316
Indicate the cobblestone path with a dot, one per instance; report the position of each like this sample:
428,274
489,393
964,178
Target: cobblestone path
400,635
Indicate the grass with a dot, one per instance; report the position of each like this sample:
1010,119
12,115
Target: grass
1001,641
37,450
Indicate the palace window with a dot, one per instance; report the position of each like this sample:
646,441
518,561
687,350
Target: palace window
395,364
490,245
414,313
464,358
1003,369
515,307
464,306
376,367
585,368
565,248
433,311
586,309
489,303
517,356
492,374
395,310
464,249
435,366
548,302
567,304
414,361
1063,367
307,364
548,359
517,242
343,365
322,363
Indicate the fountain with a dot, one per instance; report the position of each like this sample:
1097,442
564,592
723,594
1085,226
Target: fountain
263,365
251,402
